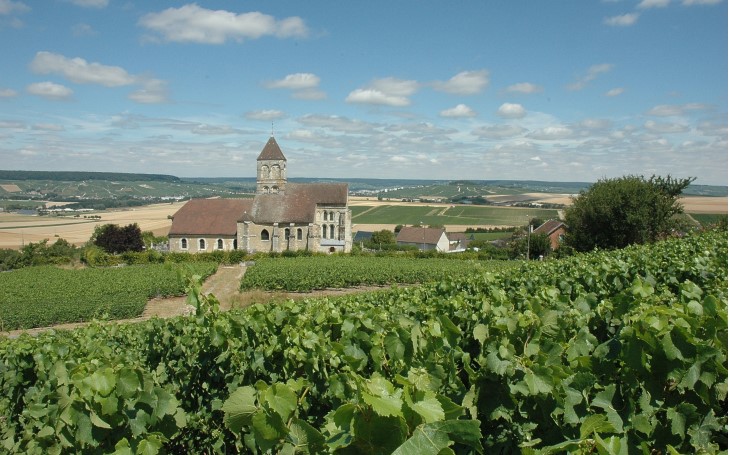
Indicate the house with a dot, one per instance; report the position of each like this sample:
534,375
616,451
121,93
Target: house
555,230
458,241
282,216
424,238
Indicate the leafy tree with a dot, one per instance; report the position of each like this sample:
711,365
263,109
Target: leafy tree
539,246
114,239
615,213
382,238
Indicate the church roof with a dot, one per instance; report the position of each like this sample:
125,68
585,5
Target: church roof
298,203
271,151
209,216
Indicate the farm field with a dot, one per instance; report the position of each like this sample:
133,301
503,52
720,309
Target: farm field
48,295
449,215
556,357
16,230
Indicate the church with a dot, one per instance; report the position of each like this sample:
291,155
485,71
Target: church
282,216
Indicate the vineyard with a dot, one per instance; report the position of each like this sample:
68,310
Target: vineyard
611,352
301,274
48,295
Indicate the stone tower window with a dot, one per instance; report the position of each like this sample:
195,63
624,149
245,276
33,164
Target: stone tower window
264,235
184,244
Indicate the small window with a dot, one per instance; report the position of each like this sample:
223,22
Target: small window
332,231
299,234
332,216
287,233
235,244
264,235
324,231
183,244
201,244
220,244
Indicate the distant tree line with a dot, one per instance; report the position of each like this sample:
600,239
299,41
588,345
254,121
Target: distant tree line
74,176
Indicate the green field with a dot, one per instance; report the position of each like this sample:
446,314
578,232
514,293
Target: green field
321,272
709,218
47,295
454,215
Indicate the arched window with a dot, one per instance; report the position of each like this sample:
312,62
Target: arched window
274,189
324,215
299,234
324,231
332,231
183,244
264,235
235,244
332,216
220,244
275,171
287,233
266,189
201,244
264,172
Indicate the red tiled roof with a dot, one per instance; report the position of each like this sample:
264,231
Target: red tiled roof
549,227
271,151
209,216
298,202
429,236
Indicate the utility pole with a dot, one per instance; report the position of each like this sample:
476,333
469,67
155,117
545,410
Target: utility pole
529,231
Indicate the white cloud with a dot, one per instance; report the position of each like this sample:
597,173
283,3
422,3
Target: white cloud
458,111
8,7
295,81
7,93
551,133
465,83
191,23
337,123
398,159
653,4
666,110
615,92
524,87
80,71
596,124
623,20
665,128
498,131
510,110
91,3
50,90
153,91
592,73
265,115
303,85
388,92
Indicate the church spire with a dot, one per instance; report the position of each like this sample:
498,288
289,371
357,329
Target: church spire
270,168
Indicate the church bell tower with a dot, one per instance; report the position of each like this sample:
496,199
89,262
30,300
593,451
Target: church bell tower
270,169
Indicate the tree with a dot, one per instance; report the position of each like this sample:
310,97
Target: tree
114,239
381,238
615,213
539,246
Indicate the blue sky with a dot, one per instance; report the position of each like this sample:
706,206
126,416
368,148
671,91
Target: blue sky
571,90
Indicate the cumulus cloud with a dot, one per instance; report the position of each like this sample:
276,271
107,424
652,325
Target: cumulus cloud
50,90
458,111
645,4
465,83
665,128
615,92
387,92
7,93
498,131
623,20
551,133
524,87
153,91
80,71
304,86
510,110
191,23
592,73
265,115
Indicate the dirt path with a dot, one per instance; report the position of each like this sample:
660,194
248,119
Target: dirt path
224,285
